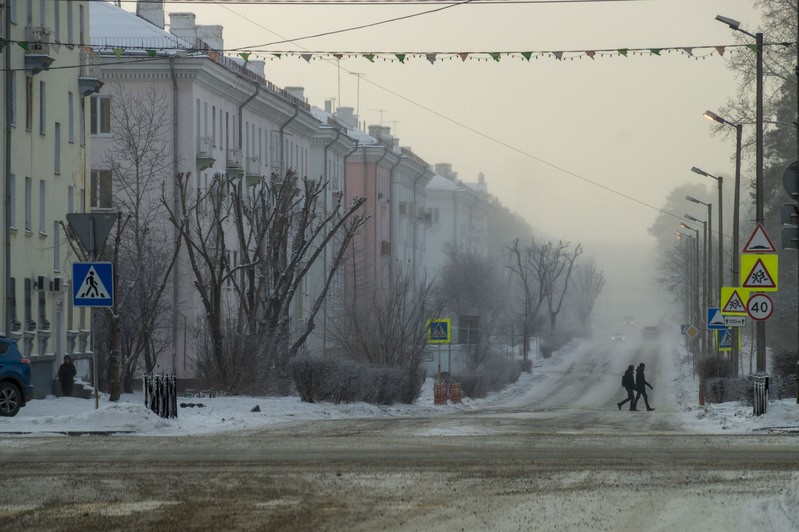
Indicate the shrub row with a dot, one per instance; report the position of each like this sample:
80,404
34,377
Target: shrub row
742,389
493,378
344,381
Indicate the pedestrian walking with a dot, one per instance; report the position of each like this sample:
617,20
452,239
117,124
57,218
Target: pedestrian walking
66,376
628,382
640,386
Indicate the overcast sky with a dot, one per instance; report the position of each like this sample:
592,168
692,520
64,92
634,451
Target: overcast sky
585,149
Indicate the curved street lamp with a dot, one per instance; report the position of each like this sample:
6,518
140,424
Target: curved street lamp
759,216
720,182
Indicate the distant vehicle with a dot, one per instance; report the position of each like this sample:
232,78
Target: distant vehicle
15,378
618,337
628,320
650,332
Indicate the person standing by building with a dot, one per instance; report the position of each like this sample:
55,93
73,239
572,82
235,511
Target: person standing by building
66,376
628,382
640,386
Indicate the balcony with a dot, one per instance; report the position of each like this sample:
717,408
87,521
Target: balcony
253,175
205,154
234,167
37,49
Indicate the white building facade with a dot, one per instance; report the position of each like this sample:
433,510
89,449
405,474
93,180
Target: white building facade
44,157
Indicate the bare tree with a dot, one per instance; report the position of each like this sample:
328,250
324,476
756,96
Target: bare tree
131,174
470,284
279,231
389,329
524,264
589,282
558,264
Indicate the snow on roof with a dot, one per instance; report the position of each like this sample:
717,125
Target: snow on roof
112,26
356,134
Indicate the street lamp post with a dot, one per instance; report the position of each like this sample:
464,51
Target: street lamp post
707,269
696,314
720,181
710,287
735,25
735,279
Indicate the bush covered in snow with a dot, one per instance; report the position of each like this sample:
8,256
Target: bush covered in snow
344,381
491,378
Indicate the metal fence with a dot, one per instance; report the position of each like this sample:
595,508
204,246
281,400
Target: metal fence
160,394
761,393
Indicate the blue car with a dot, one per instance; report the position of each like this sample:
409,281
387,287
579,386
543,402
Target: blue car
15,378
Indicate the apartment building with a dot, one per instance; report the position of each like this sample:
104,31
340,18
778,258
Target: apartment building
44,156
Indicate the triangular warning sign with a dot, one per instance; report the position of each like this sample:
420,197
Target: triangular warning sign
92,286
759,242
716,318
735,304
759,277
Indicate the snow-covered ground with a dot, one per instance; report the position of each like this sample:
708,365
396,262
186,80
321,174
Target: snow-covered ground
54,415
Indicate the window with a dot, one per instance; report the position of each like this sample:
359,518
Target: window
28,199
12,304
213,126
70,23
43,323
70,116
42,207
56,246
101,115
12,12
28,310
42,109
41,14
57,154
29,13
57,22
12,207
28,102
13,96
101,189
70,199
82,121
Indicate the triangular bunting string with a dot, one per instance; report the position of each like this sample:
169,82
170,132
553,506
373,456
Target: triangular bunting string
431,58
689,51
151,53
720,50
590,53
118,52
495,56
655,51
463,56
527,55
307,57
370,57
752,47
623,51
401,57
245,56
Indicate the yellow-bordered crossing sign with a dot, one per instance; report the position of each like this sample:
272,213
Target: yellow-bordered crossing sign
439,331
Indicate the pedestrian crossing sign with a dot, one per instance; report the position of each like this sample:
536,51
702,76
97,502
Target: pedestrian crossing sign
93,284
439,331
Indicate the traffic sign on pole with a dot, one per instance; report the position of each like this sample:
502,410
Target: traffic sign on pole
93,284
439,331
760,307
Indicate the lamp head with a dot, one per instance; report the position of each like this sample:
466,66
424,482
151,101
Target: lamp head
732,23
699,171
710,115
689,217
692,199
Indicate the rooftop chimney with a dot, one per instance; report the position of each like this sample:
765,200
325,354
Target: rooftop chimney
346,116
297,92
152,12
212,36
182,25
256,66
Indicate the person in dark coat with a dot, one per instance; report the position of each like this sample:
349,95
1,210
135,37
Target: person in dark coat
640,386
66,376
628,381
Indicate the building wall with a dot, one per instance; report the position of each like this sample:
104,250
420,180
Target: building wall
44,159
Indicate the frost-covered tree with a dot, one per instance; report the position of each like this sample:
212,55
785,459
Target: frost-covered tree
128,179
278,230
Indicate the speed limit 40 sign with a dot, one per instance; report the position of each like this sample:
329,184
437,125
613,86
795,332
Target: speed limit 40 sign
760,307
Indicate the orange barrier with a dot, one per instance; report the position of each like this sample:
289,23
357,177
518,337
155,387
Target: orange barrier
455,393
440,393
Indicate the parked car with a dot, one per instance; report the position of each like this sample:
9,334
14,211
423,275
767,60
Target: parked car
618,337
650,332
15,378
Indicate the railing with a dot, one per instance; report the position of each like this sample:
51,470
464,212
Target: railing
160,394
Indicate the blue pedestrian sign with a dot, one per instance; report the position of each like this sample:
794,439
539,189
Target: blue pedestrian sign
724,339
438,331
93,284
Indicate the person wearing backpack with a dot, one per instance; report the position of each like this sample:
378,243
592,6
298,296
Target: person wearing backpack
628,382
